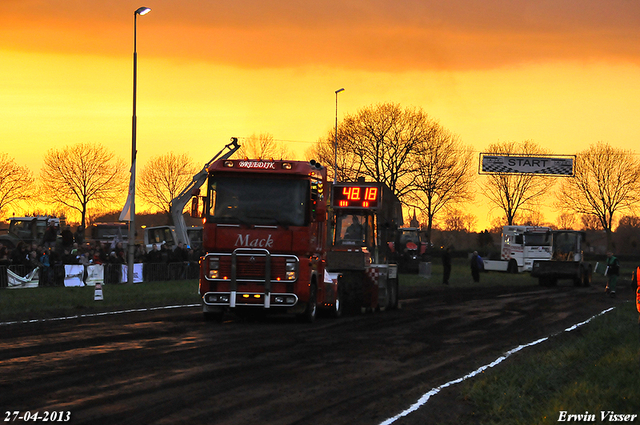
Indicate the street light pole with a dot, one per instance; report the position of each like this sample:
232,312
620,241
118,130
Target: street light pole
335,145
132,224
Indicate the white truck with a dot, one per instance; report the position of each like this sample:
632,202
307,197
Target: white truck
520,247
161,235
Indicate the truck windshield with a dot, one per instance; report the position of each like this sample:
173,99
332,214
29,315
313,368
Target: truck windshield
537,239
262,201
353,229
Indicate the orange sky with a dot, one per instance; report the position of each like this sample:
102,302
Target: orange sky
564,74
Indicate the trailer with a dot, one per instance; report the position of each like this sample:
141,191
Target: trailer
567,261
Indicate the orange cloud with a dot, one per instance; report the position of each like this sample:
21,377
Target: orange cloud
378,35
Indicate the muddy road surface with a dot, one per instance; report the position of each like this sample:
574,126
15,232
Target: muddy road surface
171,367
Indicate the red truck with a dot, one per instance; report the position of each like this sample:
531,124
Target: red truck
265,236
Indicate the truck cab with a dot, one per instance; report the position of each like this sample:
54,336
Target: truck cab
166,235
264,236
27,229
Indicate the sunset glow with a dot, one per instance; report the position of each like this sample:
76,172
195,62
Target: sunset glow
565,74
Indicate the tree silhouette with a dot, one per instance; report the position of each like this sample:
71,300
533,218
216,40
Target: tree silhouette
164,177
606,182
16,182
514,193
262,146
443,173
81,175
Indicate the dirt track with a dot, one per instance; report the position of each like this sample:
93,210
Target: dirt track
172,367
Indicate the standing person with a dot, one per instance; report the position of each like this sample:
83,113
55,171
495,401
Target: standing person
613,271
78,236
476,266
446,265
50,235
636,279
67,238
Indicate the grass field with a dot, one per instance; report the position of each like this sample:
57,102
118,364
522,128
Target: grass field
594,369
47,302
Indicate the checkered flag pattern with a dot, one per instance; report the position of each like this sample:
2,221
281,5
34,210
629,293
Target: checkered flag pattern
373,273
526,165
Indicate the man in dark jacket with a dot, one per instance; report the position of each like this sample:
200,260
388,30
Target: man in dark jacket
446,265
613,271
477,265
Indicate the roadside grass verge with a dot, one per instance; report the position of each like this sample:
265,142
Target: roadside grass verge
48,302
592,369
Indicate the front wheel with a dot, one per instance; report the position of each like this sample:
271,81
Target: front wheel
311,311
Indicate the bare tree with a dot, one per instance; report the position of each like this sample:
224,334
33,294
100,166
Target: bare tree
263,146
566,220
457,220
514,193
81,175
378,142
606,181
164,177
324,152
16,182
443,169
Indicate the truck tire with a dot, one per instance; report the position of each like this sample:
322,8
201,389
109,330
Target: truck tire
338,305
393,294
310,312
512,267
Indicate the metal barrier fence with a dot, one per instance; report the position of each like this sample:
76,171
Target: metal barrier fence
151,272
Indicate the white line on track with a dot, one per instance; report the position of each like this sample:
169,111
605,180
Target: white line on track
106,313
423,400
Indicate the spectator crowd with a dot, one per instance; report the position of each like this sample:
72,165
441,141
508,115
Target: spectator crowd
55,250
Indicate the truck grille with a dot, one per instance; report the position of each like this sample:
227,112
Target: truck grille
251,267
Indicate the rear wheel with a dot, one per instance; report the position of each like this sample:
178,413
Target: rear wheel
393,294
338,305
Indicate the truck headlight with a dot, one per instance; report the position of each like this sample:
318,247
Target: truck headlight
214,266
290,270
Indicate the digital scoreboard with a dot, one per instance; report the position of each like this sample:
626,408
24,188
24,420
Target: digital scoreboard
356,196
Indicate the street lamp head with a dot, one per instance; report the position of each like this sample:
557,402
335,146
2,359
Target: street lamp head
142,11
339,90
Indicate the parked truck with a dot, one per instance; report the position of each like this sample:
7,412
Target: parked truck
109,232
365,219
264,237
167,235
567,261
520,247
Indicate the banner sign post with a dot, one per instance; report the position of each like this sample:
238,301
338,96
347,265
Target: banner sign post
559,165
